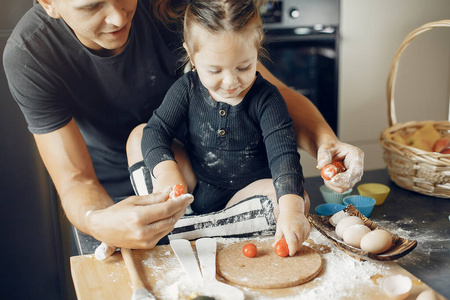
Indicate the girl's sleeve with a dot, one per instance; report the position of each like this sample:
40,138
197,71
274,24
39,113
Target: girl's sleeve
281,145
160,130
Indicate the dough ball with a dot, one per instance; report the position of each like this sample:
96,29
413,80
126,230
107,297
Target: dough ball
345,223
353,234
376,241
334,220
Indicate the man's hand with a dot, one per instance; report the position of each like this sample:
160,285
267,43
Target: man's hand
137,222
353,159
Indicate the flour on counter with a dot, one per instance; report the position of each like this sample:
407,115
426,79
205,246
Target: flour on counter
340,278
426,238
342,275
172,274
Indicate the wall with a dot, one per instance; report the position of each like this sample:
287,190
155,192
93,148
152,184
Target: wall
371,32
32,262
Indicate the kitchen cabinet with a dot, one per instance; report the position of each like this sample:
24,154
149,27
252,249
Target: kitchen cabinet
33,263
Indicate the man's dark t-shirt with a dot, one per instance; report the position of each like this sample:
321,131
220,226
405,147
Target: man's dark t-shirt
54,78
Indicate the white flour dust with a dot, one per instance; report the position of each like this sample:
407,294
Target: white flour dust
426,238
340,278
171,274
116,276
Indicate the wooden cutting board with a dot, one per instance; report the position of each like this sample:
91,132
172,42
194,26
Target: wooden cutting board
166,279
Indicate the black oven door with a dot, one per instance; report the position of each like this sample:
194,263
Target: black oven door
309,65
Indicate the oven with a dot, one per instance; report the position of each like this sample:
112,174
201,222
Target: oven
302,38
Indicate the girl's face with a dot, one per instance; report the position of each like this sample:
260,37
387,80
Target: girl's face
225,63
98,24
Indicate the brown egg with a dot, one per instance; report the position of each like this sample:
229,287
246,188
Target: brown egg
376,241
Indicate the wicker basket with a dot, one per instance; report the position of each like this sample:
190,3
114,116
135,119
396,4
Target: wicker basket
411,168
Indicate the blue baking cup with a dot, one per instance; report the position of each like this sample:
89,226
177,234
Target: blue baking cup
362,203
330,196
329,209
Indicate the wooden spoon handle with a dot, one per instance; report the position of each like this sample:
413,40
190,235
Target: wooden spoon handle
132,270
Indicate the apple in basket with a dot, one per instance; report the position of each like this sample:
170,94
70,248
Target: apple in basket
441,144
446,151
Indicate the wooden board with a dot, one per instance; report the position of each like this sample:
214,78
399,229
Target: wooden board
166,279
279,272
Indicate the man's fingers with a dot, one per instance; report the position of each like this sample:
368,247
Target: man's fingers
324,157
154,198
158,211
157,230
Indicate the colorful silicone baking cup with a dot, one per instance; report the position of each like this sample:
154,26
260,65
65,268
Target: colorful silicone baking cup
328,209
376,191
331,196
362,203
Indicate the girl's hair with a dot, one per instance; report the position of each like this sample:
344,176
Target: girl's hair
216,16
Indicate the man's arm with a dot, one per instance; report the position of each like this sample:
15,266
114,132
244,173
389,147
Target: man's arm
136,222
316,137
310,127
67,159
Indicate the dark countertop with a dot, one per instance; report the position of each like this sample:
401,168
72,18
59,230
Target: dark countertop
405,213
414,216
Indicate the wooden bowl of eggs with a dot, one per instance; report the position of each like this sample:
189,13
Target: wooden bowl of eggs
361,238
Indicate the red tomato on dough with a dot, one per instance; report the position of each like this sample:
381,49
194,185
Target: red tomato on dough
249,250
340,166
281,248
328,171
176,192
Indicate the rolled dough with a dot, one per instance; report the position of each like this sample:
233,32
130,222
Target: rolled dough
267,270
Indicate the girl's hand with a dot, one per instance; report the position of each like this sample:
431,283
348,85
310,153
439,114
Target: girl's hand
353,160
292,223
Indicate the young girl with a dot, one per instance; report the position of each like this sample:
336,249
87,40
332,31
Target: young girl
239,138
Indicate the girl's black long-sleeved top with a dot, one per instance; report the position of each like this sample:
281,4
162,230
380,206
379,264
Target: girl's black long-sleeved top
229,146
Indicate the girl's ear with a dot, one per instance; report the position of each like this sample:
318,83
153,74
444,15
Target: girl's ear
50,8
188,53
186,48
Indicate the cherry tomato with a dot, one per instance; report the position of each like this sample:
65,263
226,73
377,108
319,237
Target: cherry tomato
328,171
249,250
176,192
281,248
340,166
